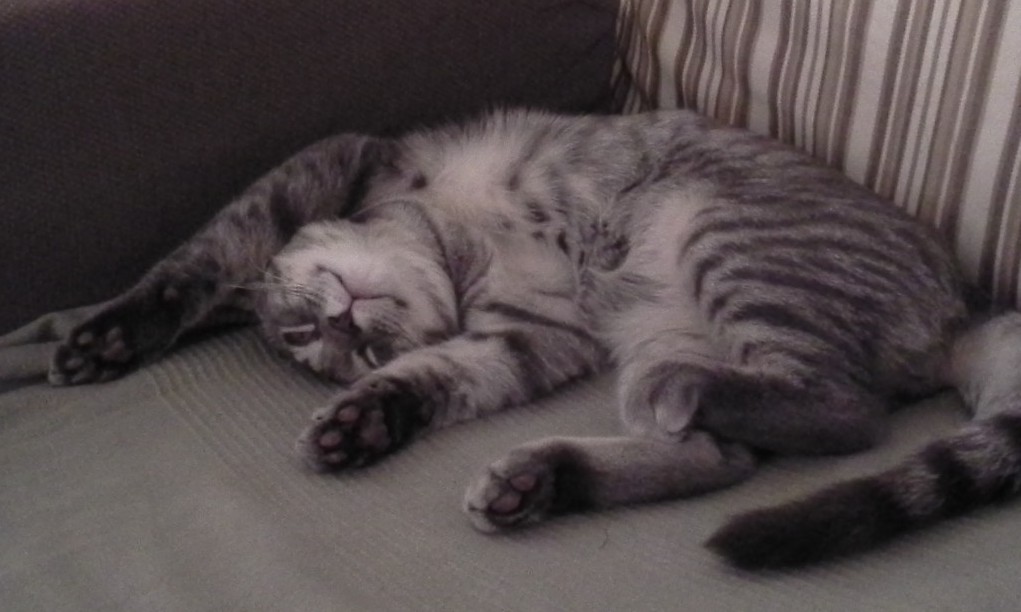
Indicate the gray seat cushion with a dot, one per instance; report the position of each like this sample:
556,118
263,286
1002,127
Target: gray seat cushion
176,488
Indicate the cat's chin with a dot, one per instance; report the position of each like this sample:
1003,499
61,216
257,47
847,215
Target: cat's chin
342,379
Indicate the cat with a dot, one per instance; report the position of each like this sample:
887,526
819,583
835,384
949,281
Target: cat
751,300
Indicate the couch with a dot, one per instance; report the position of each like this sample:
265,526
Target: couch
126,124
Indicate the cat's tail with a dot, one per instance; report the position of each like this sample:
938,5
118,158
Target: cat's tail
977,466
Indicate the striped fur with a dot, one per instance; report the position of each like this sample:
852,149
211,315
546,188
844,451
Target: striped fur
750,298
978,466
919,100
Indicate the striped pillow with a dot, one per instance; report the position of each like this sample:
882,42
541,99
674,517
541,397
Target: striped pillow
918,99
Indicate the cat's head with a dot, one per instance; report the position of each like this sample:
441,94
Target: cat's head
345,298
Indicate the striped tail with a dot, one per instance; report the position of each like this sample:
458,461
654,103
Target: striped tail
979,465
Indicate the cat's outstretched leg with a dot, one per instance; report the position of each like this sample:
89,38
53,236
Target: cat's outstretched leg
523,357
559,475
663,458
206,276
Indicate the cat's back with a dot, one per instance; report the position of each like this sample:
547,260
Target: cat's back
764,237
716,188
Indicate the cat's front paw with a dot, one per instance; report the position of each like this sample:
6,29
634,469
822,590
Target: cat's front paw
372,420
114,341
513,491
92,355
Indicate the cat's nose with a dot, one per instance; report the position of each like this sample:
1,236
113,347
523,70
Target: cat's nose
342,322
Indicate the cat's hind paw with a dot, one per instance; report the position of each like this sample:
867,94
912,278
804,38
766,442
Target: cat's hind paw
514,491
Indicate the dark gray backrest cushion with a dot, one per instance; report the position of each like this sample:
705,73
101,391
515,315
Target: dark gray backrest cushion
125,125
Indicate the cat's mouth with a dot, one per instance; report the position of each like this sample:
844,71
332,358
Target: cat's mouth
343,301
338,298
343,290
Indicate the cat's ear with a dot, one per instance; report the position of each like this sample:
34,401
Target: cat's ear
344,166
367,158
380,153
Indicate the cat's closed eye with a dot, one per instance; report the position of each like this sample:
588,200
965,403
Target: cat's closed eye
300,335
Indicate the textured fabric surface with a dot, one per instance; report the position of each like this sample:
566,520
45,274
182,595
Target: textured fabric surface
126,124
920,100
176,489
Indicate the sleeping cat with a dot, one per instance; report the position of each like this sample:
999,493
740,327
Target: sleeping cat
751,301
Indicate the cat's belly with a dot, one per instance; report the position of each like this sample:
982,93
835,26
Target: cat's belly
666,317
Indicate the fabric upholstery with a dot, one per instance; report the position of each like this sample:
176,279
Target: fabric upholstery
919,100
177,488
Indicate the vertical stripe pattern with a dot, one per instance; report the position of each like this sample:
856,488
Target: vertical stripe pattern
920,100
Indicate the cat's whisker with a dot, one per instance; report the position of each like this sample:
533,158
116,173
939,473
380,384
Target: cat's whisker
252,286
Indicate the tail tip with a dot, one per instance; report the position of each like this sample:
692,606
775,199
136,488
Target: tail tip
837,521
757,541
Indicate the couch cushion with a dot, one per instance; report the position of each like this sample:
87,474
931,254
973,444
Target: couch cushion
176,488
920,101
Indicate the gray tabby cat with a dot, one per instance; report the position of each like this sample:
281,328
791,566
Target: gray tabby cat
751,300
